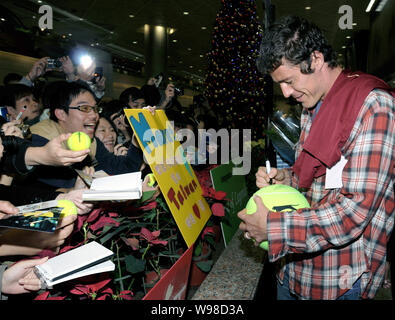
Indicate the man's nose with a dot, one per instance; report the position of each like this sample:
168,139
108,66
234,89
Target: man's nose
286,89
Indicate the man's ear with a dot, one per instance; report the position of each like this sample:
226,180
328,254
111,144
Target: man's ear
317,60
61,114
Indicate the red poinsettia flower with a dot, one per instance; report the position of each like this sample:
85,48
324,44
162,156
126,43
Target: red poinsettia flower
151,237
101,222
91,290
132,242
219,195
207,230
126,295
45,296
218,209
149,206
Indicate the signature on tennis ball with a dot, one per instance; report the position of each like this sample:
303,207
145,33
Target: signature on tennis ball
79,141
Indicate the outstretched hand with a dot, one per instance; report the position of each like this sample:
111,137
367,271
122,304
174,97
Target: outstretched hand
54,153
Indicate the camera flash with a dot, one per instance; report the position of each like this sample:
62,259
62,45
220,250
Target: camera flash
86,61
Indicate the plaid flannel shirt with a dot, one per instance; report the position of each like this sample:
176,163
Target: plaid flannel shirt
343,236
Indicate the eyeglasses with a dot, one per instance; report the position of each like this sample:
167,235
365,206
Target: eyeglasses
87,108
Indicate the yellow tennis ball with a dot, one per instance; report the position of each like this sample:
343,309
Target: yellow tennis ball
79,141
68,206
278,198
151,179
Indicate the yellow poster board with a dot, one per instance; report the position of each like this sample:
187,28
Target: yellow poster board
172,171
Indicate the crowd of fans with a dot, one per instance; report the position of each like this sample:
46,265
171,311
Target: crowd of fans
37,118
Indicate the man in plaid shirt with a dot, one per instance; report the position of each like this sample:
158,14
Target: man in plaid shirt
336,249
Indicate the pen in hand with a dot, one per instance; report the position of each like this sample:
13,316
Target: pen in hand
20,113
268,168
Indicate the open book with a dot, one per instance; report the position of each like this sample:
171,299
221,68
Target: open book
85,260
126,186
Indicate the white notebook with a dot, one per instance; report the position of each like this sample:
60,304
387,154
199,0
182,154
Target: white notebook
128,186
85,260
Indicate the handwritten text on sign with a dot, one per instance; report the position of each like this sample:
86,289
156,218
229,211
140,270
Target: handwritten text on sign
172,171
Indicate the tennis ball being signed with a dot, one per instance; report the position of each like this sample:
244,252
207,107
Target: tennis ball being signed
278,198
79,141
68,206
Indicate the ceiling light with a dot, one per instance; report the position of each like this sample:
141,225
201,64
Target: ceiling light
134,42
2,19
39,1
174,40
131,16
354,24
348,37
201,56
172,30
343,47
70,34
381,5
307,8
204,28
370,5
191,67
189,49
185,13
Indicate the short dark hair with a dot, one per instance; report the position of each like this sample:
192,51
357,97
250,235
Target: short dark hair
14,92
294,39
111,107
10,77
59,94
110,121
132,92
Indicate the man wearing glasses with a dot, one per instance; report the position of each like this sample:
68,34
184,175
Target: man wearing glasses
73,108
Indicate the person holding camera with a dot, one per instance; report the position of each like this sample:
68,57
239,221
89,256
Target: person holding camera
21,104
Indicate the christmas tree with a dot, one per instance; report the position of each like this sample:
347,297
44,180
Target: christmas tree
235,88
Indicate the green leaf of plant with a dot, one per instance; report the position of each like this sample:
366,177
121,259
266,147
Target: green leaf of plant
134,265
111,234
205,266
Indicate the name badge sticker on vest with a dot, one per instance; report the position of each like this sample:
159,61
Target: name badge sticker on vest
333,178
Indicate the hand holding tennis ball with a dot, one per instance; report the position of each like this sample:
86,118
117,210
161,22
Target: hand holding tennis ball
79,141
68,206
280,198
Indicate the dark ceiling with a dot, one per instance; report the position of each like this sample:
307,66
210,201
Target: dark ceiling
117,25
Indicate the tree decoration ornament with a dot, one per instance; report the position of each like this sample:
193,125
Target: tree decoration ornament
232,78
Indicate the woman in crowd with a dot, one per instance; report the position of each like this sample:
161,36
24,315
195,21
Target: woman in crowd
106,133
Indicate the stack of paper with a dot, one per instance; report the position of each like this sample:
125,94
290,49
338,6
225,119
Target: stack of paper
126,186
88,259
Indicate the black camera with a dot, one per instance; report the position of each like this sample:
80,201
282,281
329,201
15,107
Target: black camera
178,91
25,130
158,79
98,73
53,63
